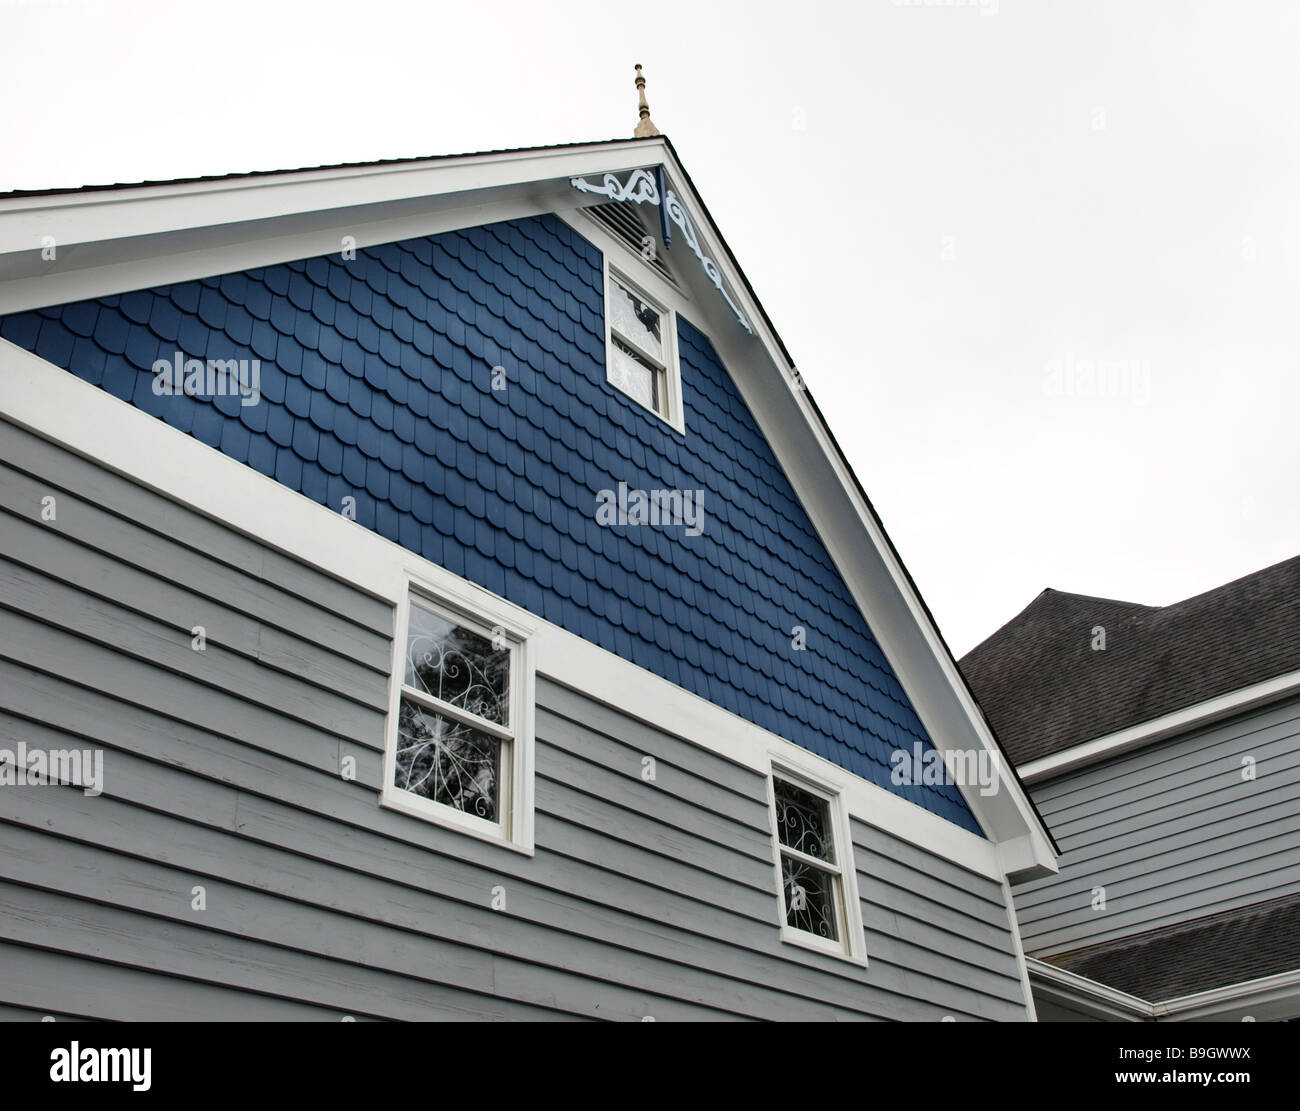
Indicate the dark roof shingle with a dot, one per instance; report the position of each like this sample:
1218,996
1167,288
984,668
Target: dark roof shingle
1045,688
1231,947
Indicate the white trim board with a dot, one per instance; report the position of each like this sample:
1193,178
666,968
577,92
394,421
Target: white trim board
1264,999
1158,729
61,407
215,227
1068,989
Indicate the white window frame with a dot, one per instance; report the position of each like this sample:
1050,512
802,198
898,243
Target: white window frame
851,944
671,370
514,828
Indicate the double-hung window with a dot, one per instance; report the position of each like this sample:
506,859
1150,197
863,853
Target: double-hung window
461,753
641,353
818,893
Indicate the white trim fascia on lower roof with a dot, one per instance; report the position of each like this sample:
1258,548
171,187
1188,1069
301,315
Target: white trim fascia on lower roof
61,407
1272,996
1159,729
1072,990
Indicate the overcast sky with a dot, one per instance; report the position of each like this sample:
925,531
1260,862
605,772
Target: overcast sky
952,213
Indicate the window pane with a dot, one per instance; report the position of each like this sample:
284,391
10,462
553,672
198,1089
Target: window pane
458,666
803,822
809,898
450,763
634,319
633,377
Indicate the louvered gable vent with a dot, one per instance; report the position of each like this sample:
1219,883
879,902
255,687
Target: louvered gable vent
623,219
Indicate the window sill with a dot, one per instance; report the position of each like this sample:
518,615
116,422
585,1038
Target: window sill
405,802
805,940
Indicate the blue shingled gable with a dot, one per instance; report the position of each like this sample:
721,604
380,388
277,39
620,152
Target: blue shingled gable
376,383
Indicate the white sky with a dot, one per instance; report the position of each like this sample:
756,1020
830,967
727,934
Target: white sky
936,205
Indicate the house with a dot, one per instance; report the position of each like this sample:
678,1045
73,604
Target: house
1162,744
430,592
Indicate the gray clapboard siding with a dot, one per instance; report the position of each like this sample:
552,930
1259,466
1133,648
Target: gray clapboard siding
59,470
1172,832
222,770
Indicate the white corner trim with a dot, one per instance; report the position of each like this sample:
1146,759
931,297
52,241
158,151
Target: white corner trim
61,407
1071,990
1030,1009
1157,729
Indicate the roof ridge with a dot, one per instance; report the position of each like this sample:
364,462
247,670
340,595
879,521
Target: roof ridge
1237,582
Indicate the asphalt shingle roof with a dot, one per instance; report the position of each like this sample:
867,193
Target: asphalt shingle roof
1212,952
1045,688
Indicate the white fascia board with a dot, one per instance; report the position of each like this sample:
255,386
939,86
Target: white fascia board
1078,992
61,407
180,232
133,211
1267,999
116,240
1158,729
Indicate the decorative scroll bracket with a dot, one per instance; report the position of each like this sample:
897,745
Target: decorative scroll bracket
640,188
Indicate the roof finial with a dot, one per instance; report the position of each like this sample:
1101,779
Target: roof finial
645,125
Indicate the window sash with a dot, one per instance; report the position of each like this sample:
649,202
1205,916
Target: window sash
502,823
835,876
654,361
464,717
658,377
814,861
505,735
656,358
835,890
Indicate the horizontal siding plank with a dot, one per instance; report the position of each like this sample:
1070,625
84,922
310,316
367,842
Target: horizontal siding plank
637,734
41,553
55,466
55,981
164,557
24,640
649,811
682,781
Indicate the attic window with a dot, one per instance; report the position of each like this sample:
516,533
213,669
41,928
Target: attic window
641,351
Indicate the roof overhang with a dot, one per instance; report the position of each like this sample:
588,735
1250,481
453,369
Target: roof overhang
135,237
